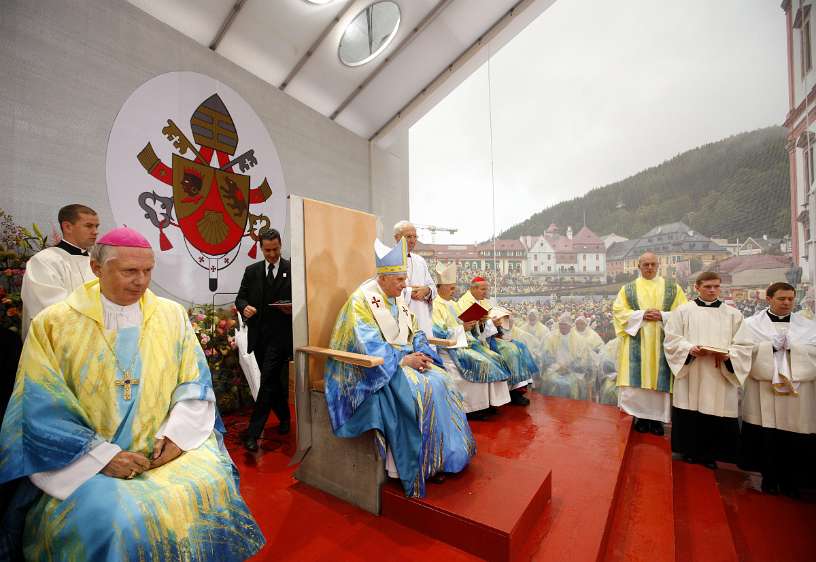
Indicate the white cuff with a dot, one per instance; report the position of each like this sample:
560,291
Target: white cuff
665,316
62,482
634,322
189,424
489,330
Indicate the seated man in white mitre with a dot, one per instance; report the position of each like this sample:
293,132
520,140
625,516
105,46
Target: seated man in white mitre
479,373
410,401
113,420
53,273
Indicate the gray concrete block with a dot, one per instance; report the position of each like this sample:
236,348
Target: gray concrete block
349,469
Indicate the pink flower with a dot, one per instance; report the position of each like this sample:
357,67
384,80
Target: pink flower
200,317
205,339
208,352
222,324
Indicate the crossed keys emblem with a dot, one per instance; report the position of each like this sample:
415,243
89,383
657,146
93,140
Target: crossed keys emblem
375,301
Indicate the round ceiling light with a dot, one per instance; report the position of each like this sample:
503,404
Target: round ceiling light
369,33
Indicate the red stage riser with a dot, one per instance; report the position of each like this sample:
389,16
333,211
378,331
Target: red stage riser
489,510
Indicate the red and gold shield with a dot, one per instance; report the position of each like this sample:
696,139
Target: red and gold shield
211,205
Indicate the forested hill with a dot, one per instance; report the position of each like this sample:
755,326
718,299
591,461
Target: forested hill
735,187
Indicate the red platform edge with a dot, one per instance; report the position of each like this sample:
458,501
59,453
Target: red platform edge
701,523
641,524
471,532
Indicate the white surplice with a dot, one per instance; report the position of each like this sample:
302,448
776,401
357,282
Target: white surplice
50,276
700,385
420,276
780,391
188,425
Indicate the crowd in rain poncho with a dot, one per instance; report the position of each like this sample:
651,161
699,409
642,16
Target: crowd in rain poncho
573,342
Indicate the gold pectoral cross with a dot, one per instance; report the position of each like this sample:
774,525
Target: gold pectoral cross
126,383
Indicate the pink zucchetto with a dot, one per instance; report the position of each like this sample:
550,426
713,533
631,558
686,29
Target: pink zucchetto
123,237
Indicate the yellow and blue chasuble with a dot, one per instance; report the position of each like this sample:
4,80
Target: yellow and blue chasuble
515,354
66,401
641,362
421,415
476,363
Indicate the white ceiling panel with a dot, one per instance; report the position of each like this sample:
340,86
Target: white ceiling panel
270,37
197,19
324,82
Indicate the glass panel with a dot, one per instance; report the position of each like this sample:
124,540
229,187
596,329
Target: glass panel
561,162
369,33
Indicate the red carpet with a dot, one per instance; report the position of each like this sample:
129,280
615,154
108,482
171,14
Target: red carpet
614,498
642,527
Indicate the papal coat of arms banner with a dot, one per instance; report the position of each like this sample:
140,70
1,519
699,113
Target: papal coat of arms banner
192,167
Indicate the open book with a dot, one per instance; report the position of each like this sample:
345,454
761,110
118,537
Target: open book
473,312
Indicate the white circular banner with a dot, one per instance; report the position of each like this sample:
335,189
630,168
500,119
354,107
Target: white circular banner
191,166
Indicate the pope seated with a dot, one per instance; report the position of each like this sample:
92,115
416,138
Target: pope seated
410,401
112,431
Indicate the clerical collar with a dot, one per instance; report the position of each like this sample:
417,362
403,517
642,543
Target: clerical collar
71,249
117,316
775,318
715,304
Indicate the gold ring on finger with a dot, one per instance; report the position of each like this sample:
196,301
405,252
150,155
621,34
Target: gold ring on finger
131,475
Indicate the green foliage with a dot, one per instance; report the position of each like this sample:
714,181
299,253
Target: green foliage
736,187
215,328
17,244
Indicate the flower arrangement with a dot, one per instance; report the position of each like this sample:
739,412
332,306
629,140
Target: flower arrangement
17,244
215,329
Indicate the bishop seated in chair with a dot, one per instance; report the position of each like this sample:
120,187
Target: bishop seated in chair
112,433
410,401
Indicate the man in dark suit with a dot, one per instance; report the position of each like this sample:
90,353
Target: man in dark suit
264,287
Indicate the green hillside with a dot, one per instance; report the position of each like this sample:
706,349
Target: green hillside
735,187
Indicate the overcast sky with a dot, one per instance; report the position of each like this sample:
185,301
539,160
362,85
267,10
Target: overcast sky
590,93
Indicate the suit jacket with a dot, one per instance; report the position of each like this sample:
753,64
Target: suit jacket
268,322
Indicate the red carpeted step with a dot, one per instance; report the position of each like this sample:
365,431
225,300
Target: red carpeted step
701,524
488,510
767,528
642,524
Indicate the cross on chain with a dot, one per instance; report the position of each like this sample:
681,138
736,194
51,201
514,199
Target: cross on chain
126,383
375,301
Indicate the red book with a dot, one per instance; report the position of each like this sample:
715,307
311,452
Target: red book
474,312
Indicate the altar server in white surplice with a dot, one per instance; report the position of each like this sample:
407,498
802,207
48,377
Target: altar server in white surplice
420,291
53,273
708,371
779,403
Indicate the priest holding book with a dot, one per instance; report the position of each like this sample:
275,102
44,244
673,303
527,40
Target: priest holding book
478,372
709,368
495,329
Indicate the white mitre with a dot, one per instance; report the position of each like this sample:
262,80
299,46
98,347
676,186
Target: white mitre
446,274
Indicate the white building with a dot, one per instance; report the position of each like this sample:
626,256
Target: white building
801,137
540,256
